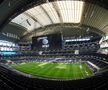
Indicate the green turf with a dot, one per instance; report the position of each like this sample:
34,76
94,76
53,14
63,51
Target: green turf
55,70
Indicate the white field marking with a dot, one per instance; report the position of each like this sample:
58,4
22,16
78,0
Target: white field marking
84,70
61,66
81,70
80,66
86,73
23,63
42,64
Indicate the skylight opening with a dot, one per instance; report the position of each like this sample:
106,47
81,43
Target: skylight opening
51,13
71,11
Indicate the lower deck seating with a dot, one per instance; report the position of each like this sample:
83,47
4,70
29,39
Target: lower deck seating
15,80
11,79
4,86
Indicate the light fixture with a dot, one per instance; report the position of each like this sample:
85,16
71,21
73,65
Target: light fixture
28,22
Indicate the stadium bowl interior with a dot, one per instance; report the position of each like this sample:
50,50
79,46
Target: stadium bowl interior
54,44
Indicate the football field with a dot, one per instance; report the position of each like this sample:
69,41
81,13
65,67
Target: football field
55,70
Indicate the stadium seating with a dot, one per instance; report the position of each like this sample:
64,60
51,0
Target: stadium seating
14,79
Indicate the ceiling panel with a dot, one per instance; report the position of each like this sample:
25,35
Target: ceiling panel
69,11
51,12
47,14
26,22
95,16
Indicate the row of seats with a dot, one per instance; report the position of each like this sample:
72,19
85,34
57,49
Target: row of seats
82,46
16,80
4,86
26,83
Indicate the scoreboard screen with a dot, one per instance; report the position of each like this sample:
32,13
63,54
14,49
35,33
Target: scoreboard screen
53,41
